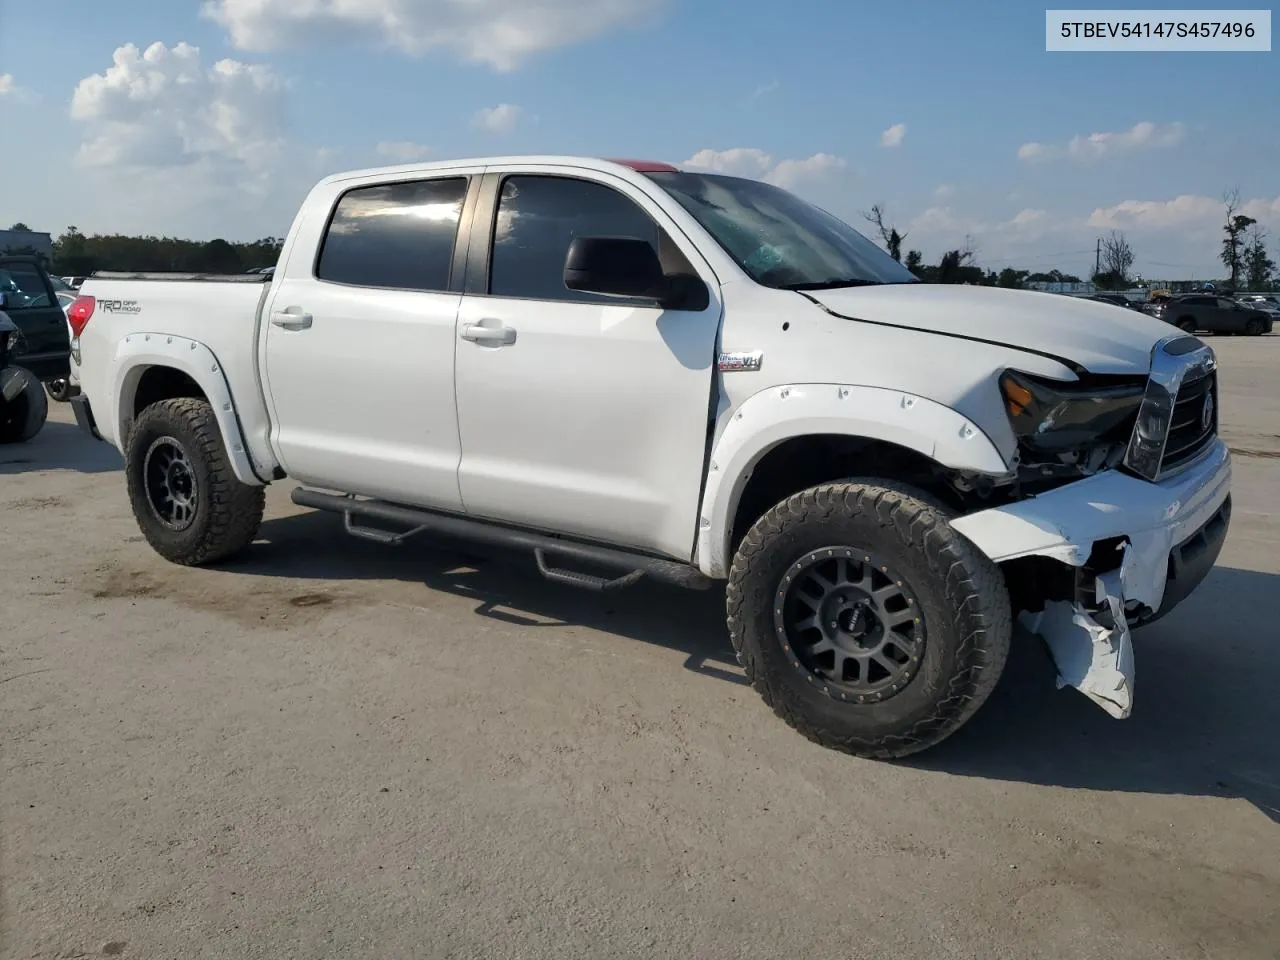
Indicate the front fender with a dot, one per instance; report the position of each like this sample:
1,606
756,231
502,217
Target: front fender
140,351
782,413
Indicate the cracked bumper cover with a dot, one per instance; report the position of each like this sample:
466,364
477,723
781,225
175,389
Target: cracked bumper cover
1170,535
1175,528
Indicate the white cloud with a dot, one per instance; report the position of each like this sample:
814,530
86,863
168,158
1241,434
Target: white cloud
173,143
500,33
792,173
402,151
1097,146
894,136
1033,151
737,161
1185,212
758,164
163,107
7,84
499,119
944,190
942,228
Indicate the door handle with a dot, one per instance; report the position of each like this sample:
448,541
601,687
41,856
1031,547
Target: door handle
479,333
290,320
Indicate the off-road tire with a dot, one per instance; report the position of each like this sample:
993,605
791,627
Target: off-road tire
25,416
227,512
960,592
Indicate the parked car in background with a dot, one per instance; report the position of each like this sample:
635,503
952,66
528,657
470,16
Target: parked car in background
630,370
23,408
1194,312
73,282
1115,298
43,344
1265,302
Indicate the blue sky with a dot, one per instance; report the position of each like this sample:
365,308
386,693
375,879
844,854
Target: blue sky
927,108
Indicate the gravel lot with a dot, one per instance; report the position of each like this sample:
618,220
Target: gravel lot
335,749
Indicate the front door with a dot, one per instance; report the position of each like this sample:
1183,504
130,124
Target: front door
359,347
580,413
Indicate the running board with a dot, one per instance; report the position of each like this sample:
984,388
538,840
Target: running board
631,567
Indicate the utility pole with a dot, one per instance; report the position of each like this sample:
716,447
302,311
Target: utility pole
1097,259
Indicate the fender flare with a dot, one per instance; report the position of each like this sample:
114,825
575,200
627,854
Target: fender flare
138,352
781,413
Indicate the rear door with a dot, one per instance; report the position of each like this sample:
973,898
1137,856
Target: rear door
359,343
45,344
580,413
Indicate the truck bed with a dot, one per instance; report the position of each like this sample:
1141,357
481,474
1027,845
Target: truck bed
218,311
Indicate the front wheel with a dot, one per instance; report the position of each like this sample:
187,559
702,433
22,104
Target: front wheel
1187,326
185,496
865,620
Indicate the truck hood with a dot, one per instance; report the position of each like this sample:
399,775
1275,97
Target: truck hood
1099,337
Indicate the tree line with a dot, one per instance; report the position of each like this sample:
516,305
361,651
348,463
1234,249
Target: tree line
1243,253
78,254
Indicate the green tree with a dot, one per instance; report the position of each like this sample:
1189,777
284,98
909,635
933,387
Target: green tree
1011,278
1258,265
889,235
20,227
1235,228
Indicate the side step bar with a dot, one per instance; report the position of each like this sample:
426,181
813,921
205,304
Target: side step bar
630,567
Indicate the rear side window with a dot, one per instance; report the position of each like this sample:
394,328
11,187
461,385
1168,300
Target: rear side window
539,216
24,286
394,235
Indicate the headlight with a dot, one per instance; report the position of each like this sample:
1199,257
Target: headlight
1054,417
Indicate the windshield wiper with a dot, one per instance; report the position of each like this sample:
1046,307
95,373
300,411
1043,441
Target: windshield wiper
829,284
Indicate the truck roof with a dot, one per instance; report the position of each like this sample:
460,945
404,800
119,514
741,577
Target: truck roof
553,160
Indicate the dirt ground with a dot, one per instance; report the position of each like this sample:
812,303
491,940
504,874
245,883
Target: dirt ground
335,749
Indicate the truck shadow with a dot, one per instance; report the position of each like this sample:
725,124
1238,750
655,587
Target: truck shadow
504,585
59,446
1206,720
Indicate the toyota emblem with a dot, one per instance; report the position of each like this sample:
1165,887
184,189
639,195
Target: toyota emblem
1206,412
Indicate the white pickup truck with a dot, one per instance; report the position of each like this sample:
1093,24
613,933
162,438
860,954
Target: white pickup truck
632,370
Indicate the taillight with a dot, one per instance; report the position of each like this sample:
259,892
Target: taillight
79,314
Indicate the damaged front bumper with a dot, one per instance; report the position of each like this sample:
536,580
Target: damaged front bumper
1167,537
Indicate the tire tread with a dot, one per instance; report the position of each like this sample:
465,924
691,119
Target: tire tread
973,585
235,508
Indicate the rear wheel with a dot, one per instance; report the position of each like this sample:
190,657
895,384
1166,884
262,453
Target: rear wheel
865,620
185,496
1255,327
24,416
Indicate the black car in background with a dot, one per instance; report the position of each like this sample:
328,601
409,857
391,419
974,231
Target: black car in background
1115,298
1196,312
43,344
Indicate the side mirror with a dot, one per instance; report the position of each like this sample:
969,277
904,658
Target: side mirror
616,267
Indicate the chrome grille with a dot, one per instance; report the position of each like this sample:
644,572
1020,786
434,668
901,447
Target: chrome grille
1178,418
1194,424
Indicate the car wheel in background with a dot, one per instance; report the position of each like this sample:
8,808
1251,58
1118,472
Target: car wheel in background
24,416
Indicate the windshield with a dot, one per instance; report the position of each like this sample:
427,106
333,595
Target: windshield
778,239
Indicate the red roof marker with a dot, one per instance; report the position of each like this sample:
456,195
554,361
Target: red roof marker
646,166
